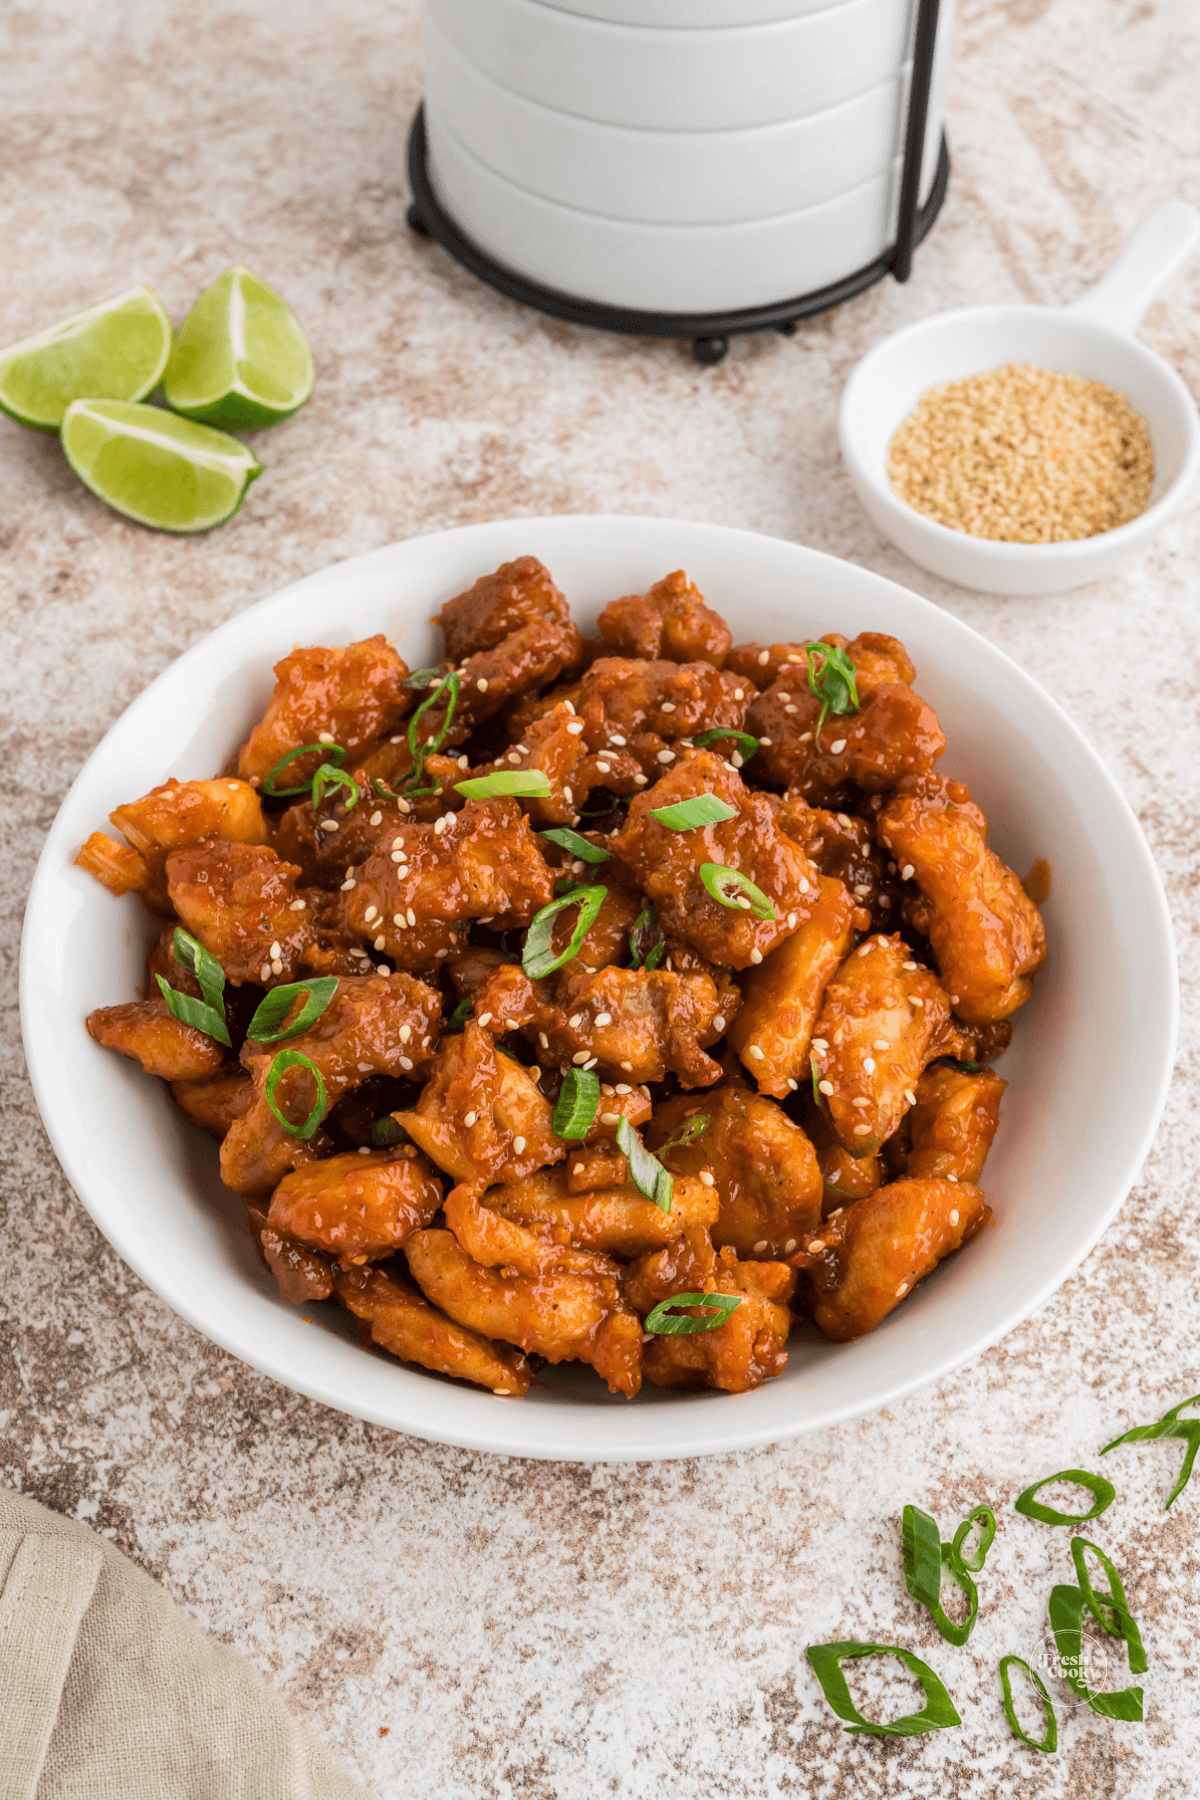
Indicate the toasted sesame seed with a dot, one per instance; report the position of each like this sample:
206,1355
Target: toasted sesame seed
820,1044
719,1022
604,768
482,685
789,1246
793,1085
405,1033
760,1246
568,796
793,921
376,818
902,1290
766,742
348,884
440,824
298,906
737,759
277,966
817,1245
325,737
756,956
329,824
835,749
372,912
640,780
581,1056
833,1175
869,1064
412,917
381,942
910,1096
514,756
264,974
708,1178
862,1131
610,1118
953,999
623,1087
574,726
617,739
485,1019
915,1000
575,1020
764,657
846,820
803,884
543,1040
518,1145
791,709
908,965
861,1101
951,1177
953,1217
602,1019
256,781
628,1068
825,1087
784,697
399,919
758,1054
666,756
907,872
469,1119
667,706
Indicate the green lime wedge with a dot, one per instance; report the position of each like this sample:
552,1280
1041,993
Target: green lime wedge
115,351
156,468
240,358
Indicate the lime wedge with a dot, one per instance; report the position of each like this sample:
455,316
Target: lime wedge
115,351
240,358
155,468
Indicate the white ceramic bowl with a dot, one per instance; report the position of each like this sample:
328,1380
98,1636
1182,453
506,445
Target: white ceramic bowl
666,177
680,80
1088,1068
662,268
1093,338
691,14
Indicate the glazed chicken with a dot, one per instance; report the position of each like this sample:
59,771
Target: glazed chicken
623,1001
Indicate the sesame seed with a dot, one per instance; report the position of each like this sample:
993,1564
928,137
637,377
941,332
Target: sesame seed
756,1053
869,1064
805,737
783,697
952,1178
277,966
825,1087
953,999
398,739
816,1245
953,1217
264,974
789,1246
256,781
708,1178
518,1145
604,768
833,1175
862,1131
348,884
405,1033
482,685
667,706
902,1290
803,884
819,1044
412,917
666,756
915,1000
860,1101
756,956
485,1018
622,1087
837,748
908,965
543,1040
760,1246
765,741
719,1022
376,818
405,1062
617,739
372,912
514,756
400,920
764,657
568,706
864,950
464,762
325,737
602,1019
364,1150
910,1096
329,824
610,1118
381,942
628,1068
737,759
640,780
791,709
568,796
440,824
469,1119
581,1056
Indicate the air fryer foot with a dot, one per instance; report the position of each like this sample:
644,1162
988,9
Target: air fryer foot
709,350
415,222
787,329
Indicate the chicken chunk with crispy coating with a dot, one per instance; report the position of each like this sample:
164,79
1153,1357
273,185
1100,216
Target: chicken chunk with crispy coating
670,620
953,1123
773,1029
401,1321
618,1221
764,1168
482,1116
348,696
358,1208
240,901
736,1356
147,1033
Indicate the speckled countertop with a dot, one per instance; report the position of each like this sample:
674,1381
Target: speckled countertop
458,1625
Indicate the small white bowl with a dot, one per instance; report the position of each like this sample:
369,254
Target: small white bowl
1088,1069
1092,338
680,80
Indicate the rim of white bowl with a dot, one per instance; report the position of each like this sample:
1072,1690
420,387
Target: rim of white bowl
997,549
717,1430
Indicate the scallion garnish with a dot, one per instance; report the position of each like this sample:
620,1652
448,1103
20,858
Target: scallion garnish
1065,1607
268,1026
329,775
385,1132
571,841
333,754
1047,1744
1169,1426
644,926
937,1714
538,958
985,1519
835,687
733,889
691,1129
925,1556
458,1018
1103,1494
295,1059
747,745
575,1109
1109,1609
208,1014
448,685
520,784
814,1068
700,809
645,1171
664,1321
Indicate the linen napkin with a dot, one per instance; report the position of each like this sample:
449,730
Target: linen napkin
107,1692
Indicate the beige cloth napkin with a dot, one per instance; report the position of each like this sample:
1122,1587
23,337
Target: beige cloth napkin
108,1693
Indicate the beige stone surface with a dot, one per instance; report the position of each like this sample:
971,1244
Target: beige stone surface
451,1624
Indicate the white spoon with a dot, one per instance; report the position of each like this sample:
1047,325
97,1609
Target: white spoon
1093,338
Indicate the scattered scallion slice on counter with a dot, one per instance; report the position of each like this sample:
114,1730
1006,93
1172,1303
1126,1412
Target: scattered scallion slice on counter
1169,1426
937,1714
1110,1609
691,1129
835,686
1103,1494
269,1024
577,845
985,1519
645,1171
1065,1608
438,685
665,1321
333,755
735,890
925,1556
747,745
1048,1742
295,1059
700,809
646,925
538,958
207,1014
329,775
578,1100
520,784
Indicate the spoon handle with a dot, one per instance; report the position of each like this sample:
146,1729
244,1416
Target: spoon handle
1160,244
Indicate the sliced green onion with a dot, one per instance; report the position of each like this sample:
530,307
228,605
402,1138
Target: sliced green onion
422,678
385,792
733,889
207,1014
645,923
385,1132
521,784
612,804
577,845
448,685
835,687
700,809
329,775
815,1071
985,1518
330,753
645,1171
268,1027
1048,1743
1110,1609
578,1100
202,964
190,1011
1169,1426
691,1129
1103,1494
937,1714
295,1059
458,1018
1065,1607
538,958
925,1557
747,744
664,1321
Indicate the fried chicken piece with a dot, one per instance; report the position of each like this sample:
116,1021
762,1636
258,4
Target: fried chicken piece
240,901
527,660
738,1355
373,1025
874,1252
670,620
637,1023
846,1177
118,867
773,1030
880,1024
402,1321
518,593
765,1169
214,1101
301,1273
843,846
894,733
561,1315
986,933
633,712
357,1207
148,1034
327,840
618,1221
418,888
175,814
347,696
667,864
953,1123
877,659
481,1115
554,747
